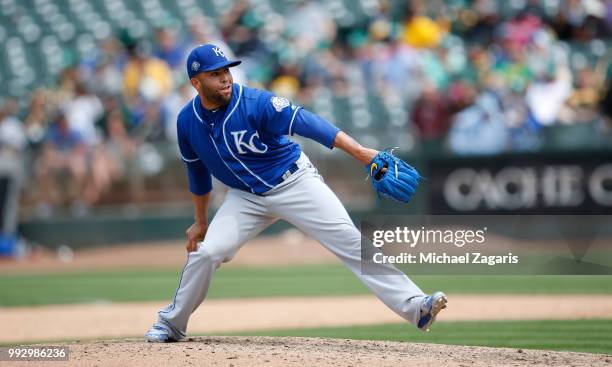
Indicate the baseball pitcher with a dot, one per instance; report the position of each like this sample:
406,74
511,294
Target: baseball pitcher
240,135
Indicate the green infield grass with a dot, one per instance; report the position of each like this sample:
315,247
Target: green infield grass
232,282
593,336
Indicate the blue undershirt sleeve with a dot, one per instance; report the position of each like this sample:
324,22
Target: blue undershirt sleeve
314,127
200,180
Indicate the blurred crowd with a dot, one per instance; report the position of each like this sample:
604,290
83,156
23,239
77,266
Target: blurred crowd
475,79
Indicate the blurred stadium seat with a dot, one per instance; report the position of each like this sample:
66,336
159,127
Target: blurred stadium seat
350,61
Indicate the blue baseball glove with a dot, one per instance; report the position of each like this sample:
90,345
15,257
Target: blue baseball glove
392,177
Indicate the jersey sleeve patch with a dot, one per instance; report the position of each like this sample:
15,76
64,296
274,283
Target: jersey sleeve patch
279,103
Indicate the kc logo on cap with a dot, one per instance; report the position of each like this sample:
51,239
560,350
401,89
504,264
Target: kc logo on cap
207,57
218,51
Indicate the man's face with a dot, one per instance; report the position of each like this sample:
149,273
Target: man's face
215,85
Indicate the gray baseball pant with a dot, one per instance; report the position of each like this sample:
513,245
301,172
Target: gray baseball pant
305,201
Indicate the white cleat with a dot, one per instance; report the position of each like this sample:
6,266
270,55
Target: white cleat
432,305
158,334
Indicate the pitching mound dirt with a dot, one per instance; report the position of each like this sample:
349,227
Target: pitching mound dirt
268,351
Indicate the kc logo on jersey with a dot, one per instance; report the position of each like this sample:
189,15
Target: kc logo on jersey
239,141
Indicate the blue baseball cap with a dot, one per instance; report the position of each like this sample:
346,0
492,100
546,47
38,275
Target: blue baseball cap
206,58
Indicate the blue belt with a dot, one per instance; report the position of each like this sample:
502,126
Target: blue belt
292,169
